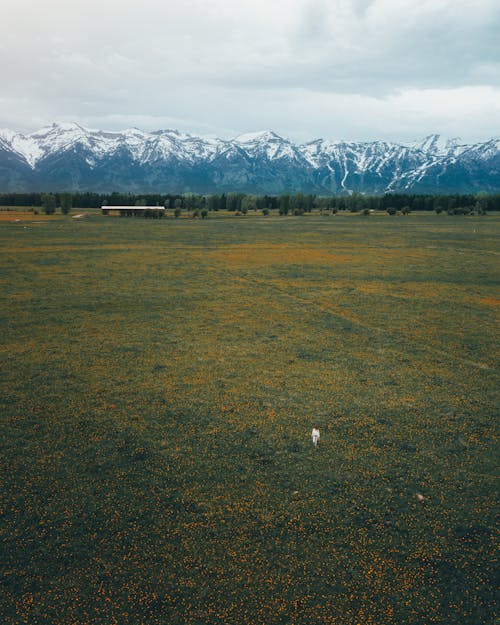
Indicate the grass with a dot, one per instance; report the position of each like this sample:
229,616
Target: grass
159,383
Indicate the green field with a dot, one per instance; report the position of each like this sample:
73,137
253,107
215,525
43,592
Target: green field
159,383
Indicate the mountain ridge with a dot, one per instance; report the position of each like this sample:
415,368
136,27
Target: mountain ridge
71,157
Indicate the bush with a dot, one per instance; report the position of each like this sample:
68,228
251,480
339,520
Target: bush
49,203
66,201
459,210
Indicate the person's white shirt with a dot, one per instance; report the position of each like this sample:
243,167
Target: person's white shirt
315,436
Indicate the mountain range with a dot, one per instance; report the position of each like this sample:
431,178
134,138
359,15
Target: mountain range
69,157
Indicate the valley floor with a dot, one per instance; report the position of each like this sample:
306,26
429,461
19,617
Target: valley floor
160,380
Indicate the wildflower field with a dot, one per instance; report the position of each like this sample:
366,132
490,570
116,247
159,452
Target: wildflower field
159,383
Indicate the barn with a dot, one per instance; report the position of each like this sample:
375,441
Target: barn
153,212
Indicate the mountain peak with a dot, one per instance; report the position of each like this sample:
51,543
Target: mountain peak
68,126
59,127
261,136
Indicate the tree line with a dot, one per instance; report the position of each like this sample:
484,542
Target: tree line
285,203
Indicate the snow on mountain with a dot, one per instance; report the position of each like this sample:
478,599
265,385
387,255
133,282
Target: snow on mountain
173,144
266,143
79,157
22,146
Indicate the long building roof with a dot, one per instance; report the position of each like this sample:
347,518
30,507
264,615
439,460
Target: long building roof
134,208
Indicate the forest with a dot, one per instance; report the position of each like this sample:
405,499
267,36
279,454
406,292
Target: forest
287,203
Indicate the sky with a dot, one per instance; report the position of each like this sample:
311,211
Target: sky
336,69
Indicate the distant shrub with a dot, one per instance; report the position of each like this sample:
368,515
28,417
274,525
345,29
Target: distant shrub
459,210
480,206
49,203
66,201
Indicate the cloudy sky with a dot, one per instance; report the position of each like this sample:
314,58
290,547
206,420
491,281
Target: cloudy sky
337,69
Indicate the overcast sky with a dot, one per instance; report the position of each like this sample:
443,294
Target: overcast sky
337,69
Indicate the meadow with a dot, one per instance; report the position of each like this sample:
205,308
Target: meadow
159,382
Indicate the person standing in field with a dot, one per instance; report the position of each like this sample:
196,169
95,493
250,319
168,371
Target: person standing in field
315,436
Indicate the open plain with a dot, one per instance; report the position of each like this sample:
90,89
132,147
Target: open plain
159,382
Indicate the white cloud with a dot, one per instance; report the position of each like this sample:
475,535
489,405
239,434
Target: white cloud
356,68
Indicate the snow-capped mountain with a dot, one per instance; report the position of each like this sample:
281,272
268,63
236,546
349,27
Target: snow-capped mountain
70,157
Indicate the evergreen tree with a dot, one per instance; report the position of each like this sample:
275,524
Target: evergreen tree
233,201
284,204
